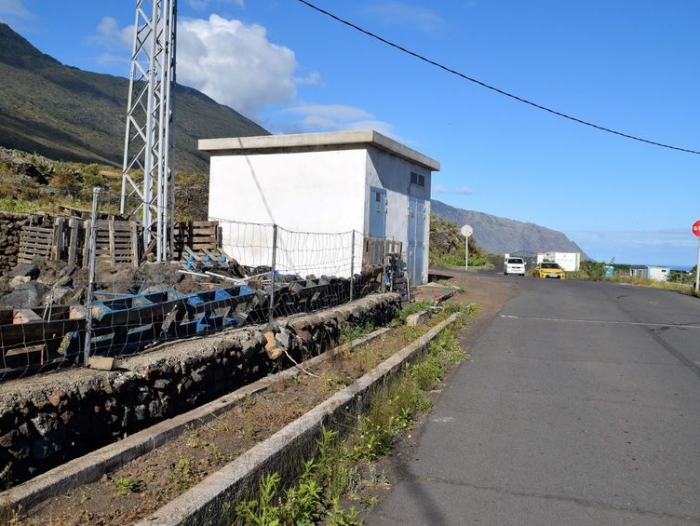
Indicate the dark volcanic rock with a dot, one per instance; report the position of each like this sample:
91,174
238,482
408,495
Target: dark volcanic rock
25,296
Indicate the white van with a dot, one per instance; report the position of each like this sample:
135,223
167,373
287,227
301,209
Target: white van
514,266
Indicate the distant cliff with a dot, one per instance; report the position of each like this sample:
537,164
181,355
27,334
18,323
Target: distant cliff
498,235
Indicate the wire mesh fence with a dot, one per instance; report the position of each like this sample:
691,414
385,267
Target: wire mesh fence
104,310
302,253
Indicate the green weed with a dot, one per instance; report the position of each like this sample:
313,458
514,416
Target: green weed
184,474
351,333
300,505
194,441
337,516
125,485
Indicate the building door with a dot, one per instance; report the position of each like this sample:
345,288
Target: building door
416,244
377,212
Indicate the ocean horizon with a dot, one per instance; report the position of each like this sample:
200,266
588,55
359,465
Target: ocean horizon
686,268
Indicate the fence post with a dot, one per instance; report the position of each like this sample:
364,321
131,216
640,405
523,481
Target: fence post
91,248
59,241
352,265
272,278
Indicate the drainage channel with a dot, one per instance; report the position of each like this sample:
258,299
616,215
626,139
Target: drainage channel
208,502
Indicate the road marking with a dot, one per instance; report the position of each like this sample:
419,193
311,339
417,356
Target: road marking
443,420
605,322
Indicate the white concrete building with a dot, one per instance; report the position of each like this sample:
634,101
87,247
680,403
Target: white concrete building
325,183
658,273
569,261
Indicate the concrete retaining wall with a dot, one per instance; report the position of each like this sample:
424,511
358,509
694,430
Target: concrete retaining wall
48,420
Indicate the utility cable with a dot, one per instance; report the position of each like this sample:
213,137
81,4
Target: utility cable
493,88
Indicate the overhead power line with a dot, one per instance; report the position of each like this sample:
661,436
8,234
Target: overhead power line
494,88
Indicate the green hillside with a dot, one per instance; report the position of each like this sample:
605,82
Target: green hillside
65,113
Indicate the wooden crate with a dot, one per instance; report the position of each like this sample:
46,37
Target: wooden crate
117,241
196,235
34,242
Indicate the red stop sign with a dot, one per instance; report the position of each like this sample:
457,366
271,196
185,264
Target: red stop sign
696,228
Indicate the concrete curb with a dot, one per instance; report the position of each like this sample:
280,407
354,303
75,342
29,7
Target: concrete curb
91,467
209,501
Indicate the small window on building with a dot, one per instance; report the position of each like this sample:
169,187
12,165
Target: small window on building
417,179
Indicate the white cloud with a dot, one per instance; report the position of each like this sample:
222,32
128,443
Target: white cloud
440,189
235,64
108,33
312,79
118,41
337,117
464,190
382,127
332,111
399,13
11,10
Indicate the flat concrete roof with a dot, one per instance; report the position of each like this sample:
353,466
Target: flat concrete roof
343,140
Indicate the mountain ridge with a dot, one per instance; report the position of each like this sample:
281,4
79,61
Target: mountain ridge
63,112
500,235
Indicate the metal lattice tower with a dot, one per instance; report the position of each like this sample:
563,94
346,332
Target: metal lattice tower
149,139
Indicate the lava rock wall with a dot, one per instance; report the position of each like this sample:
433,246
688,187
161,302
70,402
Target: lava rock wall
10,228
50,419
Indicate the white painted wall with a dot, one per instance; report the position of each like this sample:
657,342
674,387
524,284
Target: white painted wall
658,273
307,192
394,174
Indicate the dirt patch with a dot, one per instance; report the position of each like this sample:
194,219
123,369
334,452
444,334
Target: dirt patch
147,483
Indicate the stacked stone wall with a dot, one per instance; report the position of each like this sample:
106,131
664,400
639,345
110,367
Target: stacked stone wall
10,227
50,419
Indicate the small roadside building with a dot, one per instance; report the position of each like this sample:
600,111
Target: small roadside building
325,183
659,273
569,261
654,273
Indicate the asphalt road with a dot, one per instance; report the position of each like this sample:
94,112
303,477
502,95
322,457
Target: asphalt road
580,406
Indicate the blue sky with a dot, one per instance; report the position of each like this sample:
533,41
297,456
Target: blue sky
628,65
